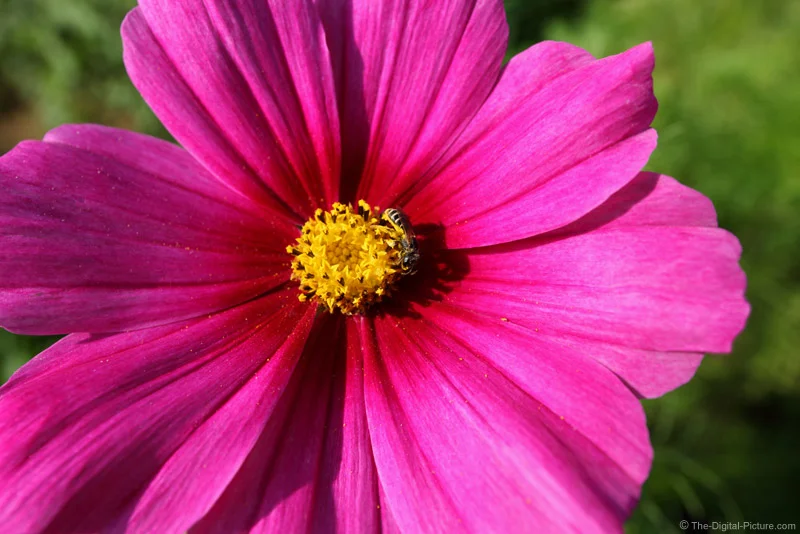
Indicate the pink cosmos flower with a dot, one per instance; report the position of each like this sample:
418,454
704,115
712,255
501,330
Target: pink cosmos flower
496,390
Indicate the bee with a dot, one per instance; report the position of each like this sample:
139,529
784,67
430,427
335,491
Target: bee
409,249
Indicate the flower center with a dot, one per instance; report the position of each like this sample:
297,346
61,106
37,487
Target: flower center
350,258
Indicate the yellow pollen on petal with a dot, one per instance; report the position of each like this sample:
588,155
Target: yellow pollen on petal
347,258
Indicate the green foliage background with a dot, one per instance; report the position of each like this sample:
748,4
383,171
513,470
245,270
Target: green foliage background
728,83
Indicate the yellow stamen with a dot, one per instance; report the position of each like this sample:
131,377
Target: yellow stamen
347,259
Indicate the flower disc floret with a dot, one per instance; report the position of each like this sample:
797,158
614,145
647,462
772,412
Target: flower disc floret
347,258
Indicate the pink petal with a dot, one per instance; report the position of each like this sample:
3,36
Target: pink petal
168,414
650,199
564,149
347,494
247,88
648,373
312,470
410,74
524,76
462,445
644,298
656,288
95,243
581,391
